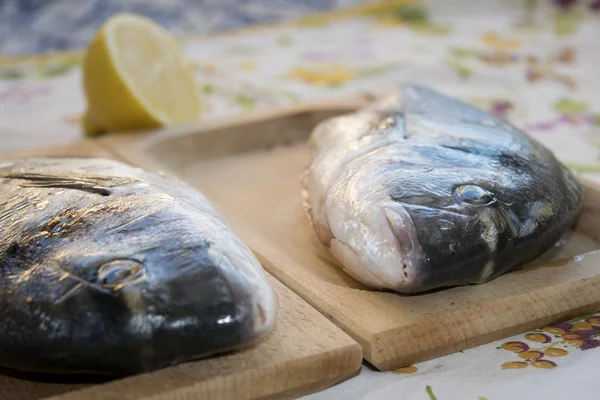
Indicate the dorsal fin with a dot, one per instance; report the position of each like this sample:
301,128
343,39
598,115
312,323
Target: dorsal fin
422,100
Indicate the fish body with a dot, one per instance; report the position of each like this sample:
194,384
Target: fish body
419,191
107,269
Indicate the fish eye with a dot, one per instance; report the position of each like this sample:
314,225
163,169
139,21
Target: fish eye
120,272
12,249
474,195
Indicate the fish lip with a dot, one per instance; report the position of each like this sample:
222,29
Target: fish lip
409,246
263,300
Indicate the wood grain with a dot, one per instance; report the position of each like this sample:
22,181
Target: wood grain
250,170
304,353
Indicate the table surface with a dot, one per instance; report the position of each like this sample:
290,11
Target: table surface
530,62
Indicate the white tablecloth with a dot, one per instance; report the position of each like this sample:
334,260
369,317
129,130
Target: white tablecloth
534,65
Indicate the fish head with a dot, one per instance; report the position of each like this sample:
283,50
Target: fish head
154,277
410,226
176,289
470,220
420,191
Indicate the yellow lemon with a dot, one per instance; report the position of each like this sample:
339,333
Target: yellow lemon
135,76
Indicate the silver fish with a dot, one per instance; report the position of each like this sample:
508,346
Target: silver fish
108,269
419,191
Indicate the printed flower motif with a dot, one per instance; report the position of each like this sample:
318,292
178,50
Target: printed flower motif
564,4
247,66
514,365
538,337
410,369
498,58
503,52
554,341
334,75
536,70
415,16
43,68
570,112
499,107
497,42
565,56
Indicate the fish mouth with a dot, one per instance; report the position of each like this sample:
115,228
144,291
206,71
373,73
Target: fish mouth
412,257
391,256
247,273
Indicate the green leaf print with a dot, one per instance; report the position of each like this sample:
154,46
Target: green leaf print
376,70
433,397
565,22
12,74
285,41
411,13
293,97
460,52
208,89
430,393
570,107
52,68
426,28
246,102
460,68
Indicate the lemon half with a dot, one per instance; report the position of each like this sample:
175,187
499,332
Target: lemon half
135,76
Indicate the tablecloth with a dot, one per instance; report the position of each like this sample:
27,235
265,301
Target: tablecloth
535,63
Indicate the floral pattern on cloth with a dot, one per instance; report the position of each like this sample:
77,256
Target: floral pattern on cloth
37,26
45,68
500,55
531,62
542,347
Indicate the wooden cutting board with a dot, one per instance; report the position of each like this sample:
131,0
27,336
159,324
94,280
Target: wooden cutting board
250,169
304,353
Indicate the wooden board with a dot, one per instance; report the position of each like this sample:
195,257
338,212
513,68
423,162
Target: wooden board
304,353
250,170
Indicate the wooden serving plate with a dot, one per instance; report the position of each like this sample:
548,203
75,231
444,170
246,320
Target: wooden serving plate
304,353
250,169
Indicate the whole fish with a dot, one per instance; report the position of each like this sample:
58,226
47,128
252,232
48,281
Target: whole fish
419,191
108,269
